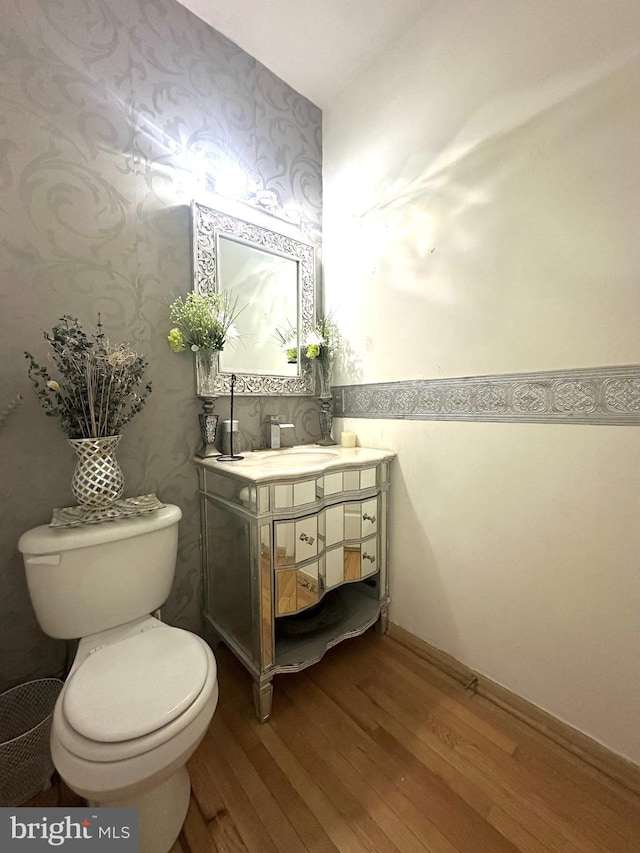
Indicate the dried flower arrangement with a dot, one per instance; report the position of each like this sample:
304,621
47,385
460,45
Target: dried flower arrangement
96,393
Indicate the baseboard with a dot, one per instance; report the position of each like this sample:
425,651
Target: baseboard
620,769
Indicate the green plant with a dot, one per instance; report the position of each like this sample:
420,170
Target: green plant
321,346
96,391
323,342
288,339
204,321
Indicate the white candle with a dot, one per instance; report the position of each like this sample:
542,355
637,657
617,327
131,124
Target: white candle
348,439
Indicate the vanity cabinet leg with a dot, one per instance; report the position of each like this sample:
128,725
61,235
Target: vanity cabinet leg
382,625
262,696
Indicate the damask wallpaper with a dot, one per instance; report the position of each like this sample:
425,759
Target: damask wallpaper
108,111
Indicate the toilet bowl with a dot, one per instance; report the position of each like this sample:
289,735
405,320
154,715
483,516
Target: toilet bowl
140,694
128,719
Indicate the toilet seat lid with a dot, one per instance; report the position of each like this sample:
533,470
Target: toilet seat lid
135,686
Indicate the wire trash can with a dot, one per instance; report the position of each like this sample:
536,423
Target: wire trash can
26,712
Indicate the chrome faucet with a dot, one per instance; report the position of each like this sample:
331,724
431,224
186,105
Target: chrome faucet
276,437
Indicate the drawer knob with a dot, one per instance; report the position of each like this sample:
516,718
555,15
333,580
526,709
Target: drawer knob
370,518
306,538
366,556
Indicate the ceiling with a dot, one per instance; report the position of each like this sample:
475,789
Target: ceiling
316,46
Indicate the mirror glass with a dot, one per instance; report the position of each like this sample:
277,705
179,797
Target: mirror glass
272,277
265,287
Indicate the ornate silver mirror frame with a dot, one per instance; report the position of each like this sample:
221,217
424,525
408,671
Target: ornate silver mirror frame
208,226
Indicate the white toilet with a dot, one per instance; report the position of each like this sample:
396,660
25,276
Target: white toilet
140,694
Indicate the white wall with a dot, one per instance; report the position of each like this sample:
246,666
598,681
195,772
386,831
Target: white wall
482,215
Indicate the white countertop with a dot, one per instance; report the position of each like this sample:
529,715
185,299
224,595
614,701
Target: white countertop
261,465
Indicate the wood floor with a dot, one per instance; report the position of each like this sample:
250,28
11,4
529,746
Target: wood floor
373,749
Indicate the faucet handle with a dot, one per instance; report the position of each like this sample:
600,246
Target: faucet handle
277,420
276,427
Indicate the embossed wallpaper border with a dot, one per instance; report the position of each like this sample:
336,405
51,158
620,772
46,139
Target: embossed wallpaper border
597,395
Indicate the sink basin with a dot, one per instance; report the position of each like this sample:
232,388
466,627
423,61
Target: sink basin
291,458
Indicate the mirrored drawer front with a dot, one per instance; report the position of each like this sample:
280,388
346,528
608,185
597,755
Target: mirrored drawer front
297,589
331,525
294,494
302,539
333,573
353,520
347,481
349,562
369,556
296,541
361,519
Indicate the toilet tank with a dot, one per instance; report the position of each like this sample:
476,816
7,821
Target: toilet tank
93,577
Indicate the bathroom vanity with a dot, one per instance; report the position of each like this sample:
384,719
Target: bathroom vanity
295,554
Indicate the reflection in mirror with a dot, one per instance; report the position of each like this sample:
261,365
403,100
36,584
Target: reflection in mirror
296,590
272,275
334,567
369,562
352,521
351,481
352,563
285,544
266,594
245,272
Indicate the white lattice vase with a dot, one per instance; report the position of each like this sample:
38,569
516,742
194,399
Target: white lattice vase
97,480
